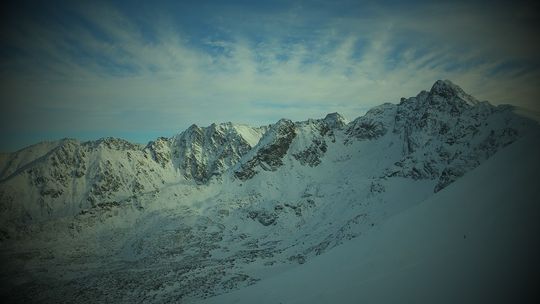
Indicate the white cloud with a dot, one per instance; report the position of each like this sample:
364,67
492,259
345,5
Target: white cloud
170,82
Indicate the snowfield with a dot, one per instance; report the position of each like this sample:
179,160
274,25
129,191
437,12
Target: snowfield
473,242
429,200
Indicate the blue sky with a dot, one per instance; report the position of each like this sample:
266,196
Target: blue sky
141,69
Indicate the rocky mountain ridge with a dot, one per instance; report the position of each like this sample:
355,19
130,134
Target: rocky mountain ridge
227,202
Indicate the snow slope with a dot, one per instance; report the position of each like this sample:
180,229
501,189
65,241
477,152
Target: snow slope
473,242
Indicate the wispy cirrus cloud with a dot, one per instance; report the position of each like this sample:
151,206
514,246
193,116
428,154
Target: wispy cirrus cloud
111,69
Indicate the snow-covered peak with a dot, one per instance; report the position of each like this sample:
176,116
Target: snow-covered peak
268,153
250,135
335,120
113,143
445,85
203,152
451,92
13,161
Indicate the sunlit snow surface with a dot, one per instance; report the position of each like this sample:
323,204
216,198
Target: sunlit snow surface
474,242
428,200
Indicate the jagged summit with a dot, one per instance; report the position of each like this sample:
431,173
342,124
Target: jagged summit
443,100
335,120
451,92
439,120
445,86
440,134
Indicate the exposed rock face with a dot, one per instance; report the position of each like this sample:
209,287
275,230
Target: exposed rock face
268,154
372,125
446,92
312,155
69,176
335,121
160,149
74,176
446,133
442,133
204,152
315,133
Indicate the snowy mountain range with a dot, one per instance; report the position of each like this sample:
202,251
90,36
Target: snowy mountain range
219,208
